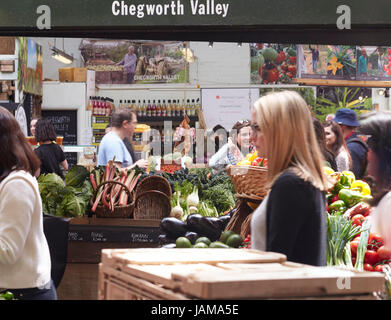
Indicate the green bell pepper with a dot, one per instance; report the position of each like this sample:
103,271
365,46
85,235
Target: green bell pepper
350,197
343,183
337,207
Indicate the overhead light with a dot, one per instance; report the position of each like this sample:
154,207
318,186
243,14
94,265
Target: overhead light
239,44
61,56
381,92
361,98
210,44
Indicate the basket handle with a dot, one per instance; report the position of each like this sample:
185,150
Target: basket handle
112,181
151,191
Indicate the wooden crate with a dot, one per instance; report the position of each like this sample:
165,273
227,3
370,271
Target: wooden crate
79,74
226,274
65,74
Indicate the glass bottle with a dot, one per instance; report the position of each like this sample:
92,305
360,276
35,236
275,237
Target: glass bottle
164,109
168,113
158,109
149,109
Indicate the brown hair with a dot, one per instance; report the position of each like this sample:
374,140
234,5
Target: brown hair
16,152
339,139
44,131
122,115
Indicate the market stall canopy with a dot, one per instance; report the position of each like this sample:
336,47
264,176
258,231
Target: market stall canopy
294,21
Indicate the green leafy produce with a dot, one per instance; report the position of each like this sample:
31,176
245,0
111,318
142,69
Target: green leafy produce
222,198
7,296
76,176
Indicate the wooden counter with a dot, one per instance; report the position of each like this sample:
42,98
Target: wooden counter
87,237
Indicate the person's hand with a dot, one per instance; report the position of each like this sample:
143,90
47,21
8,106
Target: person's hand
142,163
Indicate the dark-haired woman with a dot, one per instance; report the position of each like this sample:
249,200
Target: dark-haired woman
25,266
321,137
378,127
50,153
336,143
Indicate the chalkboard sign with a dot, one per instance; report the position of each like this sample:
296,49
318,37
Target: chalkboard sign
65,124
130,234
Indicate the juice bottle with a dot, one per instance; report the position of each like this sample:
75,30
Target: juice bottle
149,109
164,109
153,109
158,109
144,109
168,113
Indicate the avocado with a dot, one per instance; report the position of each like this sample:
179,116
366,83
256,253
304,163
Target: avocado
218,244
234,241
225,235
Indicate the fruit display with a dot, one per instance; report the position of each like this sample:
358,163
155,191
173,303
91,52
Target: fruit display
272,64
228,239
252,159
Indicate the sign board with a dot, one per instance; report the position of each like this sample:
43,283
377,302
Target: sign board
65,124
227,106
85,233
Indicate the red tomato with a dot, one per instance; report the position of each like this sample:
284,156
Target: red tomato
368,267
379,268
371,257
280,58
357,220
384,253
292,59
375,241
353,246
256,161
292,69
335,198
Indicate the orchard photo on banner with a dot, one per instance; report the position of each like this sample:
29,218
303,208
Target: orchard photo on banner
135,61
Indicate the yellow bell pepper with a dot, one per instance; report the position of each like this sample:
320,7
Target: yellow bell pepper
350,176
361,186
253,156
328,171
244,163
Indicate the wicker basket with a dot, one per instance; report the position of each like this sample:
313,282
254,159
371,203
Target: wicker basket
249,181
119,212
152,204
154,183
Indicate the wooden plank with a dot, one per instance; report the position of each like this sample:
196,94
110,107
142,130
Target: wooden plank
188,256
7,45
342,83
299,282
115,222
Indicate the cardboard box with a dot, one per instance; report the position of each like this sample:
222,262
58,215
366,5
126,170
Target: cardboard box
79,74
65,74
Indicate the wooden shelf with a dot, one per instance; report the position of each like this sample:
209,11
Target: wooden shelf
160,120
342,83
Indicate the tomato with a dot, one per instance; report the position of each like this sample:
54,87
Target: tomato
256,161
272,75
384,253
375,241
335,198
371,257
358,220
353,246
289,74
368,267
292,59
280,58
292,69
379,268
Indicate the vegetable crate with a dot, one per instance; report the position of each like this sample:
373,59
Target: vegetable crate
176,274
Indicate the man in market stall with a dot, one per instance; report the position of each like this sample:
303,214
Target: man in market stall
358,149
129,62
123,123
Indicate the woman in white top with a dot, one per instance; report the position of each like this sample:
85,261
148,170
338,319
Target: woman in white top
234,150
377,126
336,143
25,266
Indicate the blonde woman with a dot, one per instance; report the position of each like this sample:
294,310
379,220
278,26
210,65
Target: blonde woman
292,218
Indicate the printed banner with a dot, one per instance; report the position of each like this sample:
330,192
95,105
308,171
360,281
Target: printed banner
30,66
273,63
136,62
327,62
373,63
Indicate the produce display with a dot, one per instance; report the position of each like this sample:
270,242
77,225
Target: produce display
7,296
350,240
111,194
195,226
252,159
66,198
228,239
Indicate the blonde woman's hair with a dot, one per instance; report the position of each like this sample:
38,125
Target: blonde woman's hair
286,122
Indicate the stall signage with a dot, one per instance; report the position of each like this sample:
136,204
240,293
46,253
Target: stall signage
132,13
130,234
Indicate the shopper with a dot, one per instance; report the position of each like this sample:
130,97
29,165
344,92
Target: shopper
25,265
51,155
123,123
291,219
377,125
33,124
321,138
358,149
235,149
336,143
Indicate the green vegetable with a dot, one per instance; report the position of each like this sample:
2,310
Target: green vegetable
350,197
337,207
362,246
193,199
222,198
340,232
76,176
7,296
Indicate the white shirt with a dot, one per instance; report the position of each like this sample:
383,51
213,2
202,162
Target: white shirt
258,227
112,146
381,219
24,252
